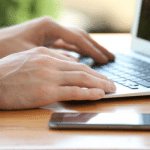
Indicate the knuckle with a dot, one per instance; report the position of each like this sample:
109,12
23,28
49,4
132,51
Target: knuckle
41,60
43,22
80,37
91,94
43,72
41,49
104,77
75,92
45,19
43,92
83,66
61,65
105,85
84,77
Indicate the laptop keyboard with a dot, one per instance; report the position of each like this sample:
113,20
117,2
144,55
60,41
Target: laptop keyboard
125,70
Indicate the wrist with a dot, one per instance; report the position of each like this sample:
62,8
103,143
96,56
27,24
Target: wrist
2,93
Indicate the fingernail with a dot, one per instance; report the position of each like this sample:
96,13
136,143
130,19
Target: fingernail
112,86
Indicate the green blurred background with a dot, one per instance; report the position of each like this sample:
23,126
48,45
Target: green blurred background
17,11
94,16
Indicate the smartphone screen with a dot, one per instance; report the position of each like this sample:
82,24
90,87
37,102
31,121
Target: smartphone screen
100,121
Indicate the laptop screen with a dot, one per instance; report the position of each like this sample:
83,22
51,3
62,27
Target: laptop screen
144,24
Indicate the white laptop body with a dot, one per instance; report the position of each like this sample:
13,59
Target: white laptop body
140,48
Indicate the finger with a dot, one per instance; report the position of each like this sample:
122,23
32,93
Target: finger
65,53
71,66
82,79
60,44
109,55
77,93
51,52
53,30
84,45
70,56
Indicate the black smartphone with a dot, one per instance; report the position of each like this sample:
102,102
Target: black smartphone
121,121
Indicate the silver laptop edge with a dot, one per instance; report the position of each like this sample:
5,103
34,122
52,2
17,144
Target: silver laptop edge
141,46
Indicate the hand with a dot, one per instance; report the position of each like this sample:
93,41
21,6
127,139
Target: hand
39,77
67,54
46,32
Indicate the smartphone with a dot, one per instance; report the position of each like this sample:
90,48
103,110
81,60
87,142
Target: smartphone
121,121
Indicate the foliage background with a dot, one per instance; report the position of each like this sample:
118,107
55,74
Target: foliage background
17,11
94,16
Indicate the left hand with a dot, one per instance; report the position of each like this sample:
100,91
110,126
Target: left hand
46,32
66,53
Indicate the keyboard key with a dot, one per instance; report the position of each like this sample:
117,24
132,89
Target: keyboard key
114,78
133,72
140,75
99,70
126,76
144,83
87,61
129,84
130,77
120,80
137,80
126,70
148,79
133,87
146,71
147,74
103,72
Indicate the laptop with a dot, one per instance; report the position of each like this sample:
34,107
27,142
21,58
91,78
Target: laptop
131,71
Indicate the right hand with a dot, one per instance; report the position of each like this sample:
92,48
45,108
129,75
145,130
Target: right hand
39,77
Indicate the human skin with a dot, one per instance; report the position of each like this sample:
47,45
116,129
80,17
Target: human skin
32,75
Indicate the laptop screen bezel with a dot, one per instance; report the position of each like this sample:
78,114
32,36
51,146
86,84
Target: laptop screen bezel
138,44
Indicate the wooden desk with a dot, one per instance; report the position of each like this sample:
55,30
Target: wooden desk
29,128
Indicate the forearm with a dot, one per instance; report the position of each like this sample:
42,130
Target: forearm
12,42
4,43
3,104
7,100
8,46
4,98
